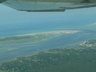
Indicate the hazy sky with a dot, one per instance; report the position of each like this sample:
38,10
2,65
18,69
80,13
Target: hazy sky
10,16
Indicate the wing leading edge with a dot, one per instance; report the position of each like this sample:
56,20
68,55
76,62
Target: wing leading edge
48,5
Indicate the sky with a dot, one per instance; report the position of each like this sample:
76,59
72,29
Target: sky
9,16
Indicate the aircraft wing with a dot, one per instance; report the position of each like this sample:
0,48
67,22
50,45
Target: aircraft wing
48,5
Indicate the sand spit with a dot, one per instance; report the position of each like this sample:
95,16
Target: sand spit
52,32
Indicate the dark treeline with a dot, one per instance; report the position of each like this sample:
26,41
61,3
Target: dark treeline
55,60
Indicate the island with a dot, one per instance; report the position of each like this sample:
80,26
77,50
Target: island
18,39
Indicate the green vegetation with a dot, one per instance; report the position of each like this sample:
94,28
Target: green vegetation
54,60
22,39
69,59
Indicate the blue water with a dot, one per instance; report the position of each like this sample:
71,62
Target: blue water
65,40
35,27
55,42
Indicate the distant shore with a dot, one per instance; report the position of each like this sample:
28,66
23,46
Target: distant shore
52,32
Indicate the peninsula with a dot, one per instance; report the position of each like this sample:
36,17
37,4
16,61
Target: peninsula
18,39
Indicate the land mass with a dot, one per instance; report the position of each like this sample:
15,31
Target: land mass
69,59
32,37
